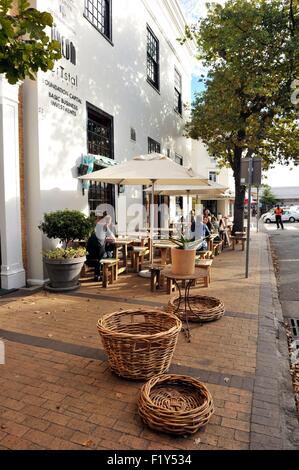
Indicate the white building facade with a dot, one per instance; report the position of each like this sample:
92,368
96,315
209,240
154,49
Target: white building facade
118,92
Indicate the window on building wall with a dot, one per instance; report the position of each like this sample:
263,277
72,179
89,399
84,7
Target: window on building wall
133,134
153,146
98,13
178,104
153,68
213,176
100,142
178,159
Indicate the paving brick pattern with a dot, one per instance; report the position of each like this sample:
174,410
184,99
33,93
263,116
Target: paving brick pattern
57,392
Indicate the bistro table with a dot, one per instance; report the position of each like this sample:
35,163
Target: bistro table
184,298
164,247
122,243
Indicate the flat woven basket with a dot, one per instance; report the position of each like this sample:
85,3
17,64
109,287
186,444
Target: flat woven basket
204,308
139,343
175,404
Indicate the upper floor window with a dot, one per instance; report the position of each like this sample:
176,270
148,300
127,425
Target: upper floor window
98,13
153,73
153,146
178,159
99,132
213,176
178,104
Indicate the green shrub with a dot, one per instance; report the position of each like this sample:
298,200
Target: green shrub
65,253
66,225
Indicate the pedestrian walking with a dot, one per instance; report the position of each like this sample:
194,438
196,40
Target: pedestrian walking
278,217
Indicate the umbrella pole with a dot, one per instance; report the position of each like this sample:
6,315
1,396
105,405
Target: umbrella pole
188,213
152,223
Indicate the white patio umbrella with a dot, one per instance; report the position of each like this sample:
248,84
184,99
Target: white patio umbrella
151,169
207,192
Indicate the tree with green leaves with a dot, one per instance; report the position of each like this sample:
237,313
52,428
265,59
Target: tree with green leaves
25,47
251,51
268,199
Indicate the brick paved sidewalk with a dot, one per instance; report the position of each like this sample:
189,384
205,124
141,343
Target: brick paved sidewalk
57,392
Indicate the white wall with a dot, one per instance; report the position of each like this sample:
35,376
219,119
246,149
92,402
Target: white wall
112,78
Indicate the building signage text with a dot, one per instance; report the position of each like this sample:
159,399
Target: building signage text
63,99
68,49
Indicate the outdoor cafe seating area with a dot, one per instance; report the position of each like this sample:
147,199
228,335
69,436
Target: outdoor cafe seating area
140,343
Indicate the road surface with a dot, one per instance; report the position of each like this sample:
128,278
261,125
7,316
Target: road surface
286,245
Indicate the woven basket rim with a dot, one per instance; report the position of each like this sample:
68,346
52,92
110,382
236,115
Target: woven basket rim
175,378
177,324
203,297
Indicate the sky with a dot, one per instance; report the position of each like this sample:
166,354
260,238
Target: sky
281,175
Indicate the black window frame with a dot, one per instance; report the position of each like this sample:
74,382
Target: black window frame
106,35
178,92
155,62
100,193
153,146
214,173
101,115
179,159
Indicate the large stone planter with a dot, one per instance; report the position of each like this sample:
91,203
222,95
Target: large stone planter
183,262
64,274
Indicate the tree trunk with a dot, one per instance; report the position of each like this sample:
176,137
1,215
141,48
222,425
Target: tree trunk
239,193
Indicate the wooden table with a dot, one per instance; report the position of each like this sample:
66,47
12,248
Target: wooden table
235,239
122,243
165,251
188,281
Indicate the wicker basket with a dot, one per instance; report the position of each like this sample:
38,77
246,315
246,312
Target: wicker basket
139,343
204,308
175,404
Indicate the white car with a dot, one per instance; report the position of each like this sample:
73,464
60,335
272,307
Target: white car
287,216
271,212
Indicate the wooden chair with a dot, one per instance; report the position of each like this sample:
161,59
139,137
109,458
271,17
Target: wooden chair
138,255
205,255
217,248
206,265
110,271
157,280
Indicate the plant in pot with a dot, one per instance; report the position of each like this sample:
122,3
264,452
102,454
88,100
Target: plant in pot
183,256
64,264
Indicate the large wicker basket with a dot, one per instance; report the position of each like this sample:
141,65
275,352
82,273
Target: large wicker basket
175,404
139,343
203,308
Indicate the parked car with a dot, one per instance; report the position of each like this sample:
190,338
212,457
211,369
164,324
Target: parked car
287,216
271,212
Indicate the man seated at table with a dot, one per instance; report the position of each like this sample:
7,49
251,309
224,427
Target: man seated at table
105,233
95,252
201,231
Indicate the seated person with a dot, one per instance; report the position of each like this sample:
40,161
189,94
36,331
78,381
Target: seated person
110,237
222,229
215,224
95,252
201,232
207,217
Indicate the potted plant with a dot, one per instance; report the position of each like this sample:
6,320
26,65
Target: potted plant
64,264
183,256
